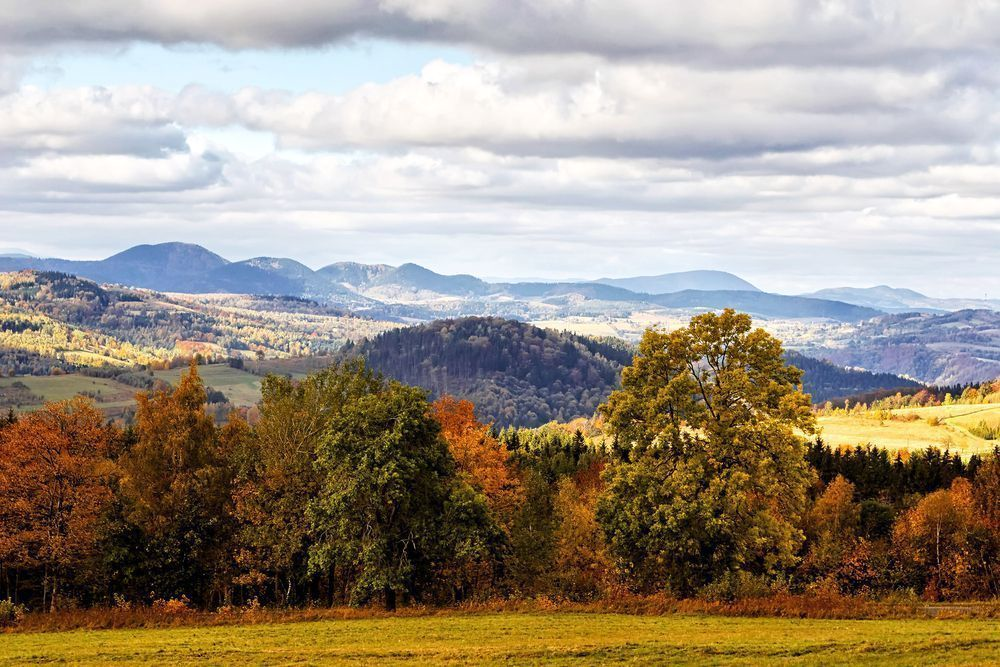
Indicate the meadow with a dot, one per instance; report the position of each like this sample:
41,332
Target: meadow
555,638
943,426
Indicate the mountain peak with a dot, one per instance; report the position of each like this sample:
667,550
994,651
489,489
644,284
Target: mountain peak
705,280
174,254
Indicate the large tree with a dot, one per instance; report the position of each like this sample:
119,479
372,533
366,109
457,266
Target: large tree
175,496
391,509
278,476
713,479
54,484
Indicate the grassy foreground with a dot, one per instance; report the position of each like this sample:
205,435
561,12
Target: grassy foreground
530,638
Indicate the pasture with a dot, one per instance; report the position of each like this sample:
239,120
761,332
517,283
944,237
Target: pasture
553,638
944,426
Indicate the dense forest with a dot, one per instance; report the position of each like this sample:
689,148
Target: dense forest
519,374
514,373
349,488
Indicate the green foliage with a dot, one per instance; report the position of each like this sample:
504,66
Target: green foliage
714,478
387,488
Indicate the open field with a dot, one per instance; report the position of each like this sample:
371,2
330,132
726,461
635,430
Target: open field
241,387
109,394
529,638
951,431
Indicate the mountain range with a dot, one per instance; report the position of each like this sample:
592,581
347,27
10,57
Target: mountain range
899,300
188,268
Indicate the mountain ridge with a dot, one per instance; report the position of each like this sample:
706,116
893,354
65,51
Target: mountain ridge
190,268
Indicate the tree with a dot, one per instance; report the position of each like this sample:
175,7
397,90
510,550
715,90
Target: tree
278,475
581,564
54,485
384,510
944,545
480,455
176,492
714,478
832,528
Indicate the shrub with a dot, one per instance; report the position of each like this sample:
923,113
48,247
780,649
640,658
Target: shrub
11,613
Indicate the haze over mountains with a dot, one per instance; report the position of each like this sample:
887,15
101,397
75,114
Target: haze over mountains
181,267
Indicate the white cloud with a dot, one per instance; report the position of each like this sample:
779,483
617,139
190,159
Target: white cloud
801,143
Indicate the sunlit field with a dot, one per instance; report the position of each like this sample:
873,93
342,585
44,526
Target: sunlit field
550,639
945,427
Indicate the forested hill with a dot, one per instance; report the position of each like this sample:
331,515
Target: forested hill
515,373
826,381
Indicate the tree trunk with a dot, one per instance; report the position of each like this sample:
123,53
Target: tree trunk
390,599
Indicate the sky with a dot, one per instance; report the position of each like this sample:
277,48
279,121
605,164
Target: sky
800,145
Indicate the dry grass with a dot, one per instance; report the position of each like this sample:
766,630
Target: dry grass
813,606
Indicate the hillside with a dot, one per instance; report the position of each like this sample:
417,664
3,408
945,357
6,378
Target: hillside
54,320
515,373
825,381
942,349
519,374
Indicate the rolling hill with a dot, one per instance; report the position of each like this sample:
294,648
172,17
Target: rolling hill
519,374
515,373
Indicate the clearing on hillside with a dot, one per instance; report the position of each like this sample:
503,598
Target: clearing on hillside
942,426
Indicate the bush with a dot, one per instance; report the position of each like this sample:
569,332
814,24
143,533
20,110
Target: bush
11,614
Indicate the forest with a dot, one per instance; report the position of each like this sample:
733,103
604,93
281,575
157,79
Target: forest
698,478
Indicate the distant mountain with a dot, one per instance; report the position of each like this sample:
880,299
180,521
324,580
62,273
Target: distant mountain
414,291
354,275
684,280
515,373
899,300
418,279
766,304
15,253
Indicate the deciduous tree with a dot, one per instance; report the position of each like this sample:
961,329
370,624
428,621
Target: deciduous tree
714,481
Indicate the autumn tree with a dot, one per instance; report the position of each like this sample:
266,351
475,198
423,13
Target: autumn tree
944,545
386,507
176,493
832,526
278,475
54,485
480,456
713,481
582,566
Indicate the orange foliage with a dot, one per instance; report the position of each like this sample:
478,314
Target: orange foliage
479,455
54,475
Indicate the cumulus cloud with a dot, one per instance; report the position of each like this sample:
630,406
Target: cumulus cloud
839,141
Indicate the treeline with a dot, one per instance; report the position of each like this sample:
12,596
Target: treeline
349,488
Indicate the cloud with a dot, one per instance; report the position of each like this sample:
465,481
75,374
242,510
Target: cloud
757,31
801,143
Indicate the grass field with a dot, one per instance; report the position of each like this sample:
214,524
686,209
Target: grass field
951,432
110,394
241,387
522,638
